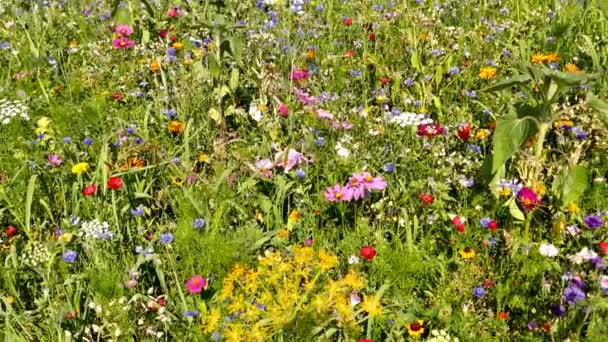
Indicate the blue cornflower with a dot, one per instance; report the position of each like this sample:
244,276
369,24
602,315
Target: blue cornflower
389,167
67,140
300,173
199,223
485,222
192,313
166,238
138,211
454,71
88,141
69,256
320,141
474,148
479,292
593,221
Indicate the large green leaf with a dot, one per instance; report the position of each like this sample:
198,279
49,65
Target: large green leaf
570,184
511,132
568,78
518,80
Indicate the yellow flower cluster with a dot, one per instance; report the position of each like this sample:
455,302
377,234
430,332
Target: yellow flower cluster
541,58
264,300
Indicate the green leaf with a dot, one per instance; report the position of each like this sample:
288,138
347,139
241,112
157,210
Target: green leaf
234,79
415,60
31,186
599,106
572,184
236,47
514,210
145,36
511,132
214,66
565,79
519,80
438,76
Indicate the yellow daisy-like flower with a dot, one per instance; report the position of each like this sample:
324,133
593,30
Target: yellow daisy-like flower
310,54
80,168
294,216
175,127
552,58
538,58
155,66
571,67
283,233
177,181
66,237
203,158
353,280
482,134
372,306
211,321
415,329
43,123
73,44
467,253
561,124
178,45
10,300
487,73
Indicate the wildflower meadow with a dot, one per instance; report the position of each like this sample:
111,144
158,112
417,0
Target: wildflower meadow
303,170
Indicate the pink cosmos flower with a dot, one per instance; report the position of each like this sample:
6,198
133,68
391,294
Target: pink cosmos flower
289,160
124,30
298,75
528,198
123,43
196,284
372,183
337,193
305,98
323,114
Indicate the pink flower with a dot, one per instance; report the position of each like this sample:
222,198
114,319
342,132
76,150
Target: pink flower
305,98
337,193
196,284
54,159
372,183
124,30
283,110
265,167
299,75
323,114
123,43
528,198
173,12
289,161
430,131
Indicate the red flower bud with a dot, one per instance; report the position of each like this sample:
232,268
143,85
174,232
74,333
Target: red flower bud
493,226
115,183
347,21
604,248
10,230
464,131
427,199
89,190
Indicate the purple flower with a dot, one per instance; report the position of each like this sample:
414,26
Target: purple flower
69,256
389,167
532,325
573,294
87,141
479,292
191,313
593,221
300,173
166,238
199,223
598,263
485,222
54,159
558,310
137,212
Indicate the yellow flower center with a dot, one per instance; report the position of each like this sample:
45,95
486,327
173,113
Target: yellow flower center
338,195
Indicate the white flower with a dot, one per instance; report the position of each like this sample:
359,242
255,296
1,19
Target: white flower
548,250
255,112
342,151
604,282
584,255
353,260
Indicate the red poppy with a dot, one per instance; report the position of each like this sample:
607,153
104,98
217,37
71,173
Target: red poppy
173,39
464,131
427,199
385,79
368,252
604,247
347,21
10,230
488,283
459,223
372,37
115,183
89,190
350,53
502,315
493,226
117,96
365,340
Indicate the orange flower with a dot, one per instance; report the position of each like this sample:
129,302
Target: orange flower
178,45
175,127
155,66
571,67
502,315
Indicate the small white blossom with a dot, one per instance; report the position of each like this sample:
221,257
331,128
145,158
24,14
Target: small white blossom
548,250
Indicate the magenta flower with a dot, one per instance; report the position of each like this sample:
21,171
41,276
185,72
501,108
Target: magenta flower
196,284
124,30
372,183
123,43
430,131
290,160
357,186
54,159
299,75
337,193
528,198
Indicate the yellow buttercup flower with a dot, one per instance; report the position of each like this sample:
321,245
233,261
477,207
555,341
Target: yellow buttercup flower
327,260
372,306
211,321
572,207
43,122
294,216
80,168
178,45
283,233
66,237
571,67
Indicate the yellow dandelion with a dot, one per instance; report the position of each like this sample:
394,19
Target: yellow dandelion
572,207
155,66
203,158
178,45
552,58
66,237
326,260
175,127
482,134
487,73
294,216
283,233
538,58
353,280
80,168
211,321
